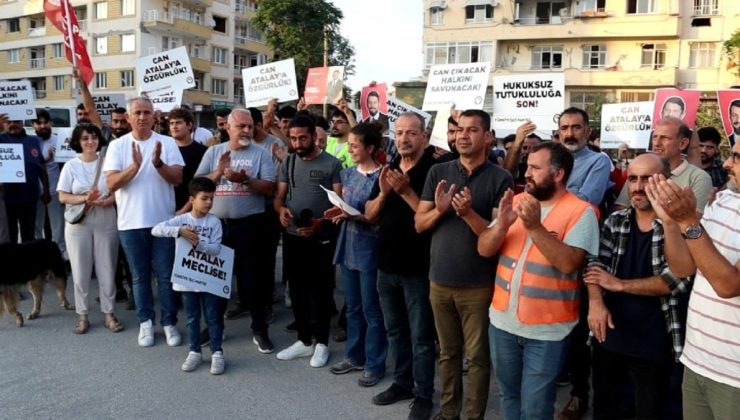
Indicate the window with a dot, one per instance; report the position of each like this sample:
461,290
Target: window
594,56
199,80
14,25
220,24
436,16
127,78
101,80
257,60
101,10
640,6
478,14
57,50
218,87
653,56
547,57
128,7
101,45
586,100
701,54
636,96
705,7
458,52
128,43
14,56
58,82
219,55
549,12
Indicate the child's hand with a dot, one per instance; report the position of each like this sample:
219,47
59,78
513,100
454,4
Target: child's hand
188,233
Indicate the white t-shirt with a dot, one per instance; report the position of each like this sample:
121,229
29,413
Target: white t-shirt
201,135
77,177
147,199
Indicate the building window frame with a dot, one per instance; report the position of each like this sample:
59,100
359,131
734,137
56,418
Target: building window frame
128,43
641,7
101,45
482,13
457,52
57,50
127,79
14,56
594,56
653,56
702,55
13,25
58,82
436,16
101,10
128,7
219,86
706,7
219,55
101,80
546,57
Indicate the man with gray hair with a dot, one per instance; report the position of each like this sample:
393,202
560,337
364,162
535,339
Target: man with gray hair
142,167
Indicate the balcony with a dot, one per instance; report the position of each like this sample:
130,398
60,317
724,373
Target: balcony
244,10
39,94
155,20
37,63
199,3
36,32
251,44
200,64
616,77
238,70
197,97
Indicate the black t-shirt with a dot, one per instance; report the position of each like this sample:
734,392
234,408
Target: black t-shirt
400,249
640,329
192,155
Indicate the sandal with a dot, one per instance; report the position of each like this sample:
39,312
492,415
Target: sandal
111,322
81,326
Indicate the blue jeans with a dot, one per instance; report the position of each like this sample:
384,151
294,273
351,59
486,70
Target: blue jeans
146,254
366,340
192,303
410,326
526,371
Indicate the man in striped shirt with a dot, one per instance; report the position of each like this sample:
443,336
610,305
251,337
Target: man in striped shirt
711,385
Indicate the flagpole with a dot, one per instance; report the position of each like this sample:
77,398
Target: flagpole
70,37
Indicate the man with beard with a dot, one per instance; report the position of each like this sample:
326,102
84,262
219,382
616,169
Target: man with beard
452,128
542,237
590,178
83,115
634,309
336,143
734,114
308,241
709,140
245,176
21,199
373,108
457,201
181,126
55,209
516,156
222,135
673,107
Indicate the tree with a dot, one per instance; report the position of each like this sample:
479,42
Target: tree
731,51
295,29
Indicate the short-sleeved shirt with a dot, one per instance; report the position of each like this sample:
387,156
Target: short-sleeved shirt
191,155
455,260
339,151
305,179
29,191
584,235
400,249
590,177
267,144
148,198
357,245
235,200
77,177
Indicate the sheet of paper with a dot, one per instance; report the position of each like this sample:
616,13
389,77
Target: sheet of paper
335,199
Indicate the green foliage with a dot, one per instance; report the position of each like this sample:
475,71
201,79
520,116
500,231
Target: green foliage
295,29
731,51
708,115
594,111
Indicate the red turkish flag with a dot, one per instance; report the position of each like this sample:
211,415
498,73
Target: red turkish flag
56,12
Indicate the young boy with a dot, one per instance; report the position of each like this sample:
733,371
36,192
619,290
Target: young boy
203,230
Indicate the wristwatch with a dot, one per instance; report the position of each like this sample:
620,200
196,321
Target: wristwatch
693,231
159,164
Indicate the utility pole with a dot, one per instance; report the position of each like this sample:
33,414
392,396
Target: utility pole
326,62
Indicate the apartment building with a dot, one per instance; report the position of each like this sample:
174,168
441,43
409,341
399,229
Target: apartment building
218,34
616,49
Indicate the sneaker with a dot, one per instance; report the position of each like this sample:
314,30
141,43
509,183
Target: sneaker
235,312
345,366
320,356
193,361
174,338
369,379
574,410
217,363
421,409
264,345
146,334
393,394
295,351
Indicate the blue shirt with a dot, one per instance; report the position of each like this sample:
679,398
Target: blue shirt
590,177
357,246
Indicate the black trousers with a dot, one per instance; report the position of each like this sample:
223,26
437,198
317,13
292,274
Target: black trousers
310,272
23,214
650,379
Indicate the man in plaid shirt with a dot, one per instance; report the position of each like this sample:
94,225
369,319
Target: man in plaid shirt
634,287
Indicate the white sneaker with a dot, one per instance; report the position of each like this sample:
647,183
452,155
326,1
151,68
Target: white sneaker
320,356
217,363
146,334
193,361
298,349
173,336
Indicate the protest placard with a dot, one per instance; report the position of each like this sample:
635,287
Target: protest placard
16,100
268,81
396,107
169,69
439,132
463,85
629,122
166,100
203,272
12,167
518,98
373,102
679,103
106,103
324,85
729,108
63,153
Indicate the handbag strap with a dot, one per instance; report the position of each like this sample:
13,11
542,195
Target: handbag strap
101,159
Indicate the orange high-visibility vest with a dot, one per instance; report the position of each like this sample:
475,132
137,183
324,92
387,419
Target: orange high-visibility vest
546,295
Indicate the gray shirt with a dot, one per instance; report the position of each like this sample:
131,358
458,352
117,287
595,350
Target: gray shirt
455,260
235,200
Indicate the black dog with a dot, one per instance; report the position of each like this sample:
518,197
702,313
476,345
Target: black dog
32,262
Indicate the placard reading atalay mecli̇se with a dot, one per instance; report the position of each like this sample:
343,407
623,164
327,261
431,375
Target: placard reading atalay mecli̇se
273,80
16,100
203,272
166,69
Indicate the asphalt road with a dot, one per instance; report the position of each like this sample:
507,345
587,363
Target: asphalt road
48,372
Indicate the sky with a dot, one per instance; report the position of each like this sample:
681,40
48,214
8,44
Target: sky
369,26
